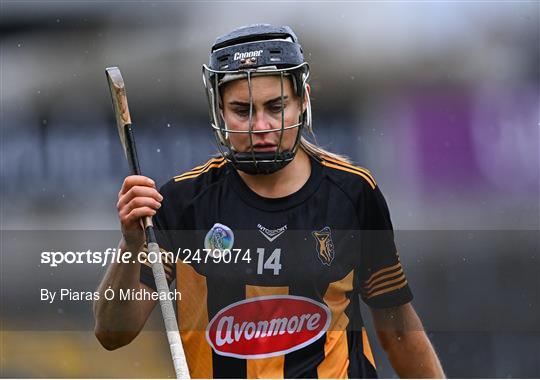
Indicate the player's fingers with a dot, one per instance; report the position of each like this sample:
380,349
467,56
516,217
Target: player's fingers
136,214
124,220
138,191
130,218
143,202
144,191
135,180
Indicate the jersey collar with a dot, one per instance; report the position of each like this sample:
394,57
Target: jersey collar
277,204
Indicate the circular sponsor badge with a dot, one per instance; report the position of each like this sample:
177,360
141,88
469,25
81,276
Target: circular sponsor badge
219,238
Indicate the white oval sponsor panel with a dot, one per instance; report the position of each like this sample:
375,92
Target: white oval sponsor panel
267,326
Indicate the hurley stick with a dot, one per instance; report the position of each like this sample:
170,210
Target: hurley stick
123,122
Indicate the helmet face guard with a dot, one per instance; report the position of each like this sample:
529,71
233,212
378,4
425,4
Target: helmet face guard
270,51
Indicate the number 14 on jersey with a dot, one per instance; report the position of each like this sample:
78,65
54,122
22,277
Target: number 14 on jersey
271,262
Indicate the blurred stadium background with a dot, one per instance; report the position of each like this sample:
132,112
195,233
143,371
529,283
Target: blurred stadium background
440,100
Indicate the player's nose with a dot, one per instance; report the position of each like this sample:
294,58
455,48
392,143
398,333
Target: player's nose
260,122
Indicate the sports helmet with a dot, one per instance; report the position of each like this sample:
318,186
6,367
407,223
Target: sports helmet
244,53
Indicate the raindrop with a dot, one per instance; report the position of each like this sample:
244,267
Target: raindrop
19,45
158,150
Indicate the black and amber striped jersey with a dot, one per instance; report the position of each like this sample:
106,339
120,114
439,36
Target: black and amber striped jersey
271,288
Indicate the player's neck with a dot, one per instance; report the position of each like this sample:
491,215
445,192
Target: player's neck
284,182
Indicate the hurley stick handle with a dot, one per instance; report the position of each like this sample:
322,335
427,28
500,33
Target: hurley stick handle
125,131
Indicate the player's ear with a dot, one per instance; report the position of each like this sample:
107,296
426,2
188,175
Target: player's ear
306,96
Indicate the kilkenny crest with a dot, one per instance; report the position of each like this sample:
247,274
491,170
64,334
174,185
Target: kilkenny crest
324,245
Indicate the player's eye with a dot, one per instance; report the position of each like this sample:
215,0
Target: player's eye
242,112
276,108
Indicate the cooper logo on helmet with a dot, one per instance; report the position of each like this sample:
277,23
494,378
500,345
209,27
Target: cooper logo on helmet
248,54
267,326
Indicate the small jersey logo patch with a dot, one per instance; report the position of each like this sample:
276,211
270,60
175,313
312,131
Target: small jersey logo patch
324,245
271,235
219,238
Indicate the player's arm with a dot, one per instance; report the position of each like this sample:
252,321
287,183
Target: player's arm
401,334
118,322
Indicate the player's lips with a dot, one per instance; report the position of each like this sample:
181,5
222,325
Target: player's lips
265,147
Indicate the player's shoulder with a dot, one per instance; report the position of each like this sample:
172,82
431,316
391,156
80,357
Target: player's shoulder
197,179
346,174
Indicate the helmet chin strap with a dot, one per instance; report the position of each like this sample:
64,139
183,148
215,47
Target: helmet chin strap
264,163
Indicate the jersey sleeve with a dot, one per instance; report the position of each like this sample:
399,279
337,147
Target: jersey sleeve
165,241
382,280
